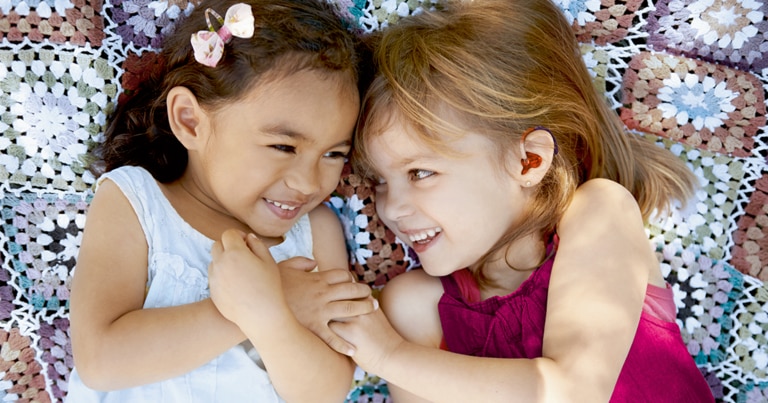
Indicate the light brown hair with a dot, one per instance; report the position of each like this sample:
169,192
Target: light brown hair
503,66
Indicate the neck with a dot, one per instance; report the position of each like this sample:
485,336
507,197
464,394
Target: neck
506,269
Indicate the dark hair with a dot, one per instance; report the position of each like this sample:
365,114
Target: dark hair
289,36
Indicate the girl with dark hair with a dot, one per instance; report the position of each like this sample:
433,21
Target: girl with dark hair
245,130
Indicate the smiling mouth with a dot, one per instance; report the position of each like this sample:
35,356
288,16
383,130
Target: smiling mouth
424,237
281,205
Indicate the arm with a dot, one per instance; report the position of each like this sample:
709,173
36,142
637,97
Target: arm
109,325
582,356
289,350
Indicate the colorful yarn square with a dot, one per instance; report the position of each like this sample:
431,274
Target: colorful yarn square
77,21
704,105
601,21
21,375
53,107
704,223
137,69
143,23
729,32
42,234
750,250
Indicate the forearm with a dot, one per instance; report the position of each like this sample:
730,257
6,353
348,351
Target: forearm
300,365
150,345
440,376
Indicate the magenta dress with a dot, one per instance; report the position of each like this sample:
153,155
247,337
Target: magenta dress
658,367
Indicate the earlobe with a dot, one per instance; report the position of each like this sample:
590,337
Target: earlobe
184,116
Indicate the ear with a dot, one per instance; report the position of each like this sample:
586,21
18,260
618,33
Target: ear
186,117
538,147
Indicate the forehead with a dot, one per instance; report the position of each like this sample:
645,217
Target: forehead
400,145
306,104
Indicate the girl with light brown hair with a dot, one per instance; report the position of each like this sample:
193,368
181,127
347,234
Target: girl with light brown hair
480,125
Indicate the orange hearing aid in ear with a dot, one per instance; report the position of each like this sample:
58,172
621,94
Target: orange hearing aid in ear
531,160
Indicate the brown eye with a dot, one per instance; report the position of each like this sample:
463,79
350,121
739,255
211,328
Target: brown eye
284,148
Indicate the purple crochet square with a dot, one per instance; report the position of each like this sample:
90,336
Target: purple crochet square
145,23
729,32
43,237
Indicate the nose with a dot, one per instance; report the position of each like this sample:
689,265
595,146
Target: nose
393,204
304,177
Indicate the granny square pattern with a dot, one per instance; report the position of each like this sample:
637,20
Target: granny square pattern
78,22
601,21
704,105
750,250
729,32
689,75
54,105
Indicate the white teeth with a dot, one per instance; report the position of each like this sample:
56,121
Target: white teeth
281,205
425,235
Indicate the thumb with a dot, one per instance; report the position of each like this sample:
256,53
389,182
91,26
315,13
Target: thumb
256,245
299,263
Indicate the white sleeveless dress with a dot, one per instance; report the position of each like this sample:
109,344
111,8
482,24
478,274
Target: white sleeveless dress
178,274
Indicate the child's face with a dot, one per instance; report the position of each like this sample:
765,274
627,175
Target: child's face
278,153
450,209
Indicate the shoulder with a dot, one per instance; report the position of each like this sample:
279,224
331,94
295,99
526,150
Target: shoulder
323,216
603,192
410,303
599,201
325,225
328,247
131,179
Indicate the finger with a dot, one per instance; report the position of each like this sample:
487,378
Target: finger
335,276
257,246
217,249
299,263
232,239
340,310
336,341
346,291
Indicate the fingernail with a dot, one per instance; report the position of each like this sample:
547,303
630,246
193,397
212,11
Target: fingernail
252,236
351,352
375,304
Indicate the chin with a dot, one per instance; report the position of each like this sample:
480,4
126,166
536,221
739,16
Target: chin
437,270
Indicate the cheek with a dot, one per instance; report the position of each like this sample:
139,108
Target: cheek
329,177
380,203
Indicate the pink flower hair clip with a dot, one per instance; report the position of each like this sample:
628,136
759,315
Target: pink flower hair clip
209,45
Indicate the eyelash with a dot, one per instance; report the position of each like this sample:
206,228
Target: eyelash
292,150
419,174
337,155
284,148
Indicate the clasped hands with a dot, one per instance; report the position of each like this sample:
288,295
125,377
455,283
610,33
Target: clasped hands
246,285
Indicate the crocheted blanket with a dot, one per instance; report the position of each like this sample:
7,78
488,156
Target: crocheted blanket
690,75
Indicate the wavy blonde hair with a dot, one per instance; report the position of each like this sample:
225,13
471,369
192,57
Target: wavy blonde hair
503,66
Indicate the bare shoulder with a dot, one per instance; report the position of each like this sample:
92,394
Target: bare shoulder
410,303
322,216
603,192
328,247
111,274
599,201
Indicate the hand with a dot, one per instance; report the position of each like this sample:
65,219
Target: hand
244,279
317,298
373,338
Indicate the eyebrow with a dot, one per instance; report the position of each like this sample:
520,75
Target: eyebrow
406,161
283,131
